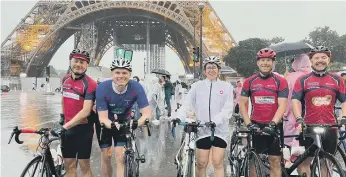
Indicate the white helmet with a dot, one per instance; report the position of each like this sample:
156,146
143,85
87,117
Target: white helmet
121,63
212,59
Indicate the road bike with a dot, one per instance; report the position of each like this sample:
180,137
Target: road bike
44,164
131,154
186,157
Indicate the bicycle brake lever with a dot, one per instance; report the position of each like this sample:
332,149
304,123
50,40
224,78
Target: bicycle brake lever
9,141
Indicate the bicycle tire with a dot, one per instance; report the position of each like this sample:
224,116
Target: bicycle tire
34,161
233,162
128,166
332,159
190,165
342,153
257,162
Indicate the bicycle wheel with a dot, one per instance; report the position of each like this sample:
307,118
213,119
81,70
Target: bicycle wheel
332,169
340,155
39,168
190,164
130,166
253,160
234,156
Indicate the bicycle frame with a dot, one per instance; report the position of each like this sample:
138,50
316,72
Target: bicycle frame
316,143
188,145
46,156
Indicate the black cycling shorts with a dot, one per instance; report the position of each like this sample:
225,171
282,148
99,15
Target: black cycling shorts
109,136
206,143
77,142
329,141
264,144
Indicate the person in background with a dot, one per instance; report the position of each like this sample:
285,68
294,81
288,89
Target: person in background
343,76
178,95
135,109
136,78
237,92
168,86
301,66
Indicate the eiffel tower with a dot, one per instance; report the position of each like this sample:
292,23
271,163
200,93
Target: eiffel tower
98,25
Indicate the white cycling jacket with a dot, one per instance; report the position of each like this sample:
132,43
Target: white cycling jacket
221,106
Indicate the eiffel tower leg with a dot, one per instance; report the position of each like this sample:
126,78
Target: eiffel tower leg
87,40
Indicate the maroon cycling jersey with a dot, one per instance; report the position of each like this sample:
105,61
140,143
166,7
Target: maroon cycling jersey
75,92
318,94
264,93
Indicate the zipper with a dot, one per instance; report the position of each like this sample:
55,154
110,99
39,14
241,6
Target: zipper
211,86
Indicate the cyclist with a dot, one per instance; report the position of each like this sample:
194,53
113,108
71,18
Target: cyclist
114,101
268,93
78,92
317,93
218,109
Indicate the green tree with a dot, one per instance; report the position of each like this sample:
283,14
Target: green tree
242,58
274,40
326,37
336,66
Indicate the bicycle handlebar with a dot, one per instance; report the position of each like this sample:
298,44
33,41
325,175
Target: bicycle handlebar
127,125
190,126
318,125
17,132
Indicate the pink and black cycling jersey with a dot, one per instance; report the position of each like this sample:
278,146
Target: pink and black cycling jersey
75,91
264,93
318,94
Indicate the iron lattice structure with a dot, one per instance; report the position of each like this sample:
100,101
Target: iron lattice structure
99,25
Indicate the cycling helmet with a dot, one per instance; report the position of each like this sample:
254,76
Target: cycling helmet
320,49
266,53
121,63
83,55
212,59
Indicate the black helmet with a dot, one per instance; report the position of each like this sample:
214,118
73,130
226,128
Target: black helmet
84,55
319,49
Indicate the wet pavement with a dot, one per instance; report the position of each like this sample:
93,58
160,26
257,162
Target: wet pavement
37,110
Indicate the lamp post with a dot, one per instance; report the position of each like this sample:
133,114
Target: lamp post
201,6
194,45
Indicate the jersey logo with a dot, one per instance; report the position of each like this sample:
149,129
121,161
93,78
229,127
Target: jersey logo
221,92
70,95
322,101
313,84
264,99
118,110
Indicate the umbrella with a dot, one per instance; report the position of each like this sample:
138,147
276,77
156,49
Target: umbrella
294,48
161,71
227,70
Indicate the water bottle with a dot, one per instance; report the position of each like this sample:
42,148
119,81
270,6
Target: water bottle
286,153
54,156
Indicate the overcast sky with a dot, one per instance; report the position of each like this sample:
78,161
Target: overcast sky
244,19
